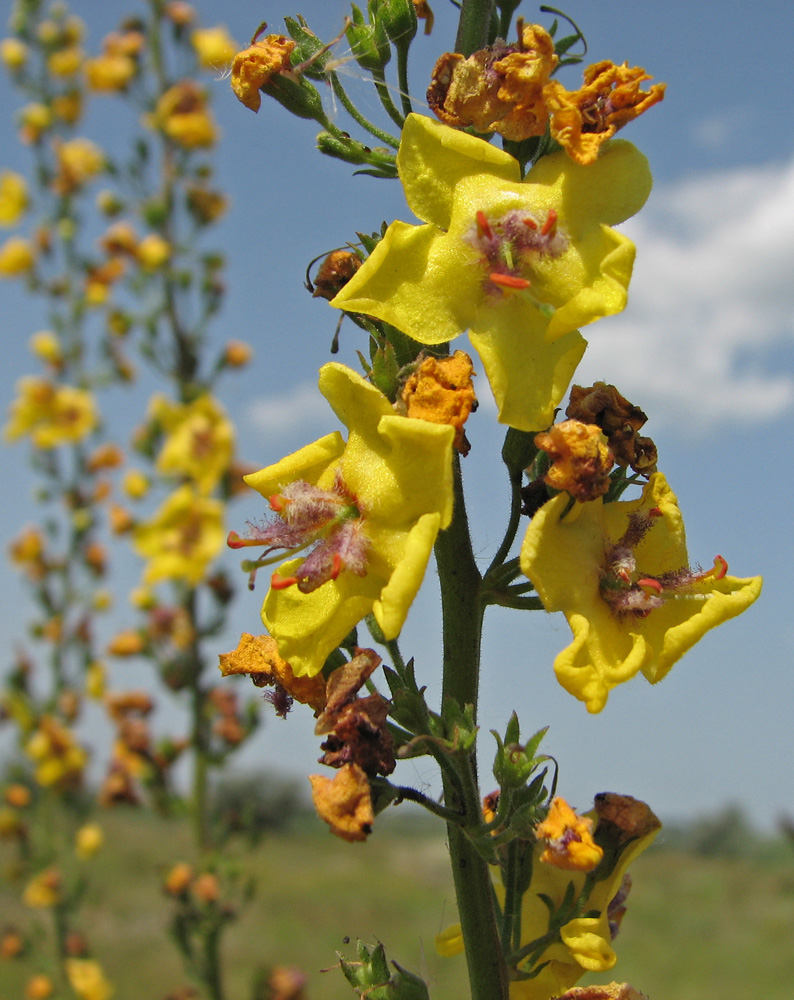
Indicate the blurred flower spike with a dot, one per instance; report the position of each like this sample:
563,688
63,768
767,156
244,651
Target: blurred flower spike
370,510
620,573
520,263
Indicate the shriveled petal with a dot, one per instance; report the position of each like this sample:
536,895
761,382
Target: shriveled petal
418,281
434,157
527,375
308,463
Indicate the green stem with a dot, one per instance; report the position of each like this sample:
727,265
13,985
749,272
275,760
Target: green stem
402,78
385,98
474,26
356,115
462,628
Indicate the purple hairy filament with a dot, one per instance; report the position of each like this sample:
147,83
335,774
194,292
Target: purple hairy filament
627,591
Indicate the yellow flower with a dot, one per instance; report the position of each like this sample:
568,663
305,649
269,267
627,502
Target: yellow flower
87,979
68,107
569,838
13,53
520,263
43,890
199,442
34,119
13,198
372,507
50,414
79,160
625,827
152,252
620,573
136,484
214,47
582,120
59,759
46,346
182,114
110,72
182,539
66,61
16,257
89,840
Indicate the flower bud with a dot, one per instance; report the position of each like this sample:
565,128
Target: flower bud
398,18
369,42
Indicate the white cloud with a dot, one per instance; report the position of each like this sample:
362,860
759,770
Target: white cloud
293,410
708,335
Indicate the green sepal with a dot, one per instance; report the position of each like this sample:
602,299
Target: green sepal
368,42
307,49
299,97
370,976
398,19
460,729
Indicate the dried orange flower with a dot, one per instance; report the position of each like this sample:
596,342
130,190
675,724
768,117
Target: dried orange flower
257,655
569,838
610,97
612,991
441,391
497,89
253,67
344,802
424,13
335,272
581,459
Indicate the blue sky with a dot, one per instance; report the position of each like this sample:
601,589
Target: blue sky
706,347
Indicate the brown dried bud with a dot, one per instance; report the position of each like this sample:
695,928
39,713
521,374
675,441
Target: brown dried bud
619,419
335,272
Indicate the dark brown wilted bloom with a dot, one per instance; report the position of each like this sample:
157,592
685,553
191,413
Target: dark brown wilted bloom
255,66
620,421
335,272
344,802
581,459
497,89
355,728
440,390
610,97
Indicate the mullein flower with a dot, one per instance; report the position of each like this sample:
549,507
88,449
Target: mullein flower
87,979
214,47
520,263
368,510
50,414
620,574
13,198
199,441
182,538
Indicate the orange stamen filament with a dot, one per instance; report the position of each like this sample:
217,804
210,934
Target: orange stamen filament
510,282
550,223
277,503
483,226
234,541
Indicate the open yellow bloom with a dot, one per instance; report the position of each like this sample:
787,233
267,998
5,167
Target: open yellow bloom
199,440
372,506
182,538
520,263
13,198
13,53
88,840
50,414
59,759
214,47
87,979
182,114
43,890
65,62
620,574
152,252
16,257
79,160
110,72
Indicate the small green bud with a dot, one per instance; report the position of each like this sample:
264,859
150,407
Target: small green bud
348,150
307,49
299,97
398,18
369,42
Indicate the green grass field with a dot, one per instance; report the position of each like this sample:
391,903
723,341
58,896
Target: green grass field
698,928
